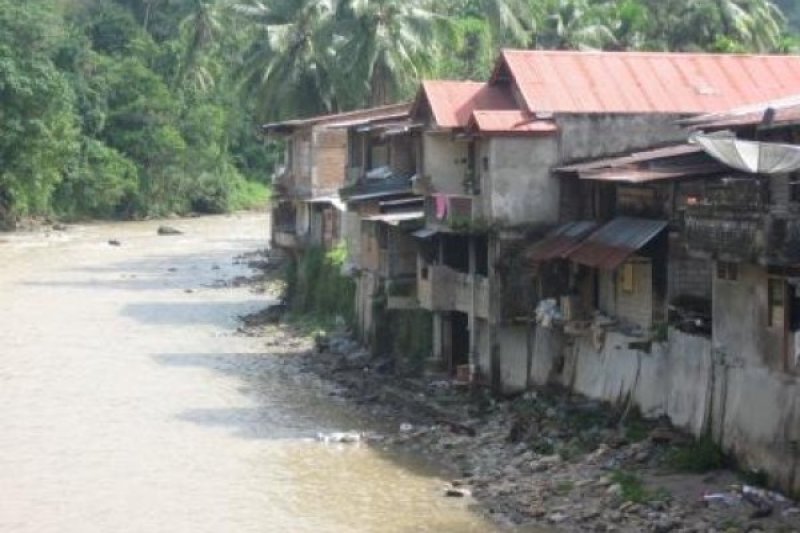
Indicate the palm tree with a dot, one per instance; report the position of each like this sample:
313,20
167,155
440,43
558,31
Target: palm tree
200,28
384,47
288,68
573,24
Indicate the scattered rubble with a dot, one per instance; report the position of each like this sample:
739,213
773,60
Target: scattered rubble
547,459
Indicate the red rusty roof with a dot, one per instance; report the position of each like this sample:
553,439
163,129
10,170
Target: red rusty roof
613,243
512,122
646,82
670,162
561,241
453,102
784,111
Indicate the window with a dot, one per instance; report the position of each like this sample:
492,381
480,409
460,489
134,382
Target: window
776,298
794,187
727,271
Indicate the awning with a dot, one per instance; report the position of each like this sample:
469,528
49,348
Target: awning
395,219
561,241
750,156
636,175
335,201
613,243
425,233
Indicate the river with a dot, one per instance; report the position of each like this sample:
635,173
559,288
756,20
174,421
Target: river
127,404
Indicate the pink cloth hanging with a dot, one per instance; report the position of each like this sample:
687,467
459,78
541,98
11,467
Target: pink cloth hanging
442,202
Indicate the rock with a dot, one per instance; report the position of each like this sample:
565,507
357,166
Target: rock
114,242
614,490
664,435
456,492
60,227
546,463
405,427
188,291
349,437
557,517
665,525
168,230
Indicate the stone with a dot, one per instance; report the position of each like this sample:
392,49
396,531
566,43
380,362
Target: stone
557,517
456,492
114,242
665,525
614,490
168,230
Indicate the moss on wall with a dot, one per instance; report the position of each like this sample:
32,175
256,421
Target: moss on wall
317,288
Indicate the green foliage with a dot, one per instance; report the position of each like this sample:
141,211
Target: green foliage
412,338
634,489
317,288
700,456
110,111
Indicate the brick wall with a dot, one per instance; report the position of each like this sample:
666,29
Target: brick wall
330,159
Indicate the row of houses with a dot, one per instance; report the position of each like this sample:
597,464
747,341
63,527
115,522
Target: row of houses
626,225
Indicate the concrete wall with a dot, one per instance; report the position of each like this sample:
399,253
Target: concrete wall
444,163
590,136
351,236
519,181
753,412
740,320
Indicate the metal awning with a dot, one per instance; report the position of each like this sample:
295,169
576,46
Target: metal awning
613,243
561,241
395,219
425,233
335,201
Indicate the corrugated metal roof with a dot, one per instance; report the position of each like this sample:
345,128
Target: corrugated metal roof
452,102
635,157
634,175
784,111
612,244
646,82
561,241
368,114
512,122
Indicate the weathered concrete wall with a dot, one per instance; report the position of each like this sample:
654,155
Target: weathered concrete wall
753,412
519,182
445,163
740,320
590,136
515,343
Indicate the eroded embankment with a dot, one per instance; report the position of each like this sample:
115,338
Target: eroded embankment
549,458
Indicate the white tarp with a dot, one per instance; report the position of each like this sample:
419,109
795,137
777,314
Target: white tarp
753,157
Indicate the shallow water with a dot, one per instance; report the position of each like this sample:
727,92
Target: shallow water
127,405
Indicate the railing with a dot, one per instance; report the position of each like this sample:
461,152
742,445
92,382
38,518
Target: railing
440,288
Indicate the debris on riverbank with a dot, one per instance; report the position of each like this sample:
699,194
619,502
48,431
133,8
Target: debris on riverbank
547,458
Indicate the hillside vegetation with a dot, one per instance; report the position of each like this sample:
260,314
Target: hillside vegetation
131,108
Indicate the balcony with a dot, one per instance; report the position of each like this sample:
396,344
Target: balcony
452,212
440,288
743,235
402,294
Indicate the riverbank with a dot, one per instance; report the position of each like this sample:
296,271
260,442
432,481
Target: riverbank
546,459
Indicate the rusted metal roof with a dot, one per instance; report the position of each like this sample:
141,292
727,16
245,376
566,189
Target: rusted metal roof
780,112
561,241
646,82
387,112
612,244
512,122
634,157
453,102
671,162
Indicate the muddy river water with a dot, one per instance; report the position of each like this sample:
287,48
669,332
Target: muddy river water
128,405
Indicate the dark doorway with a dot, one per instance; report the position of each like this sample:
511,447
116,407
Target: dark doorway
459,340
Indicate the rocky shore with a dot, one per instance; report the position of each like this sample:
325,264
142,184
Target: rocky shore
547,459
